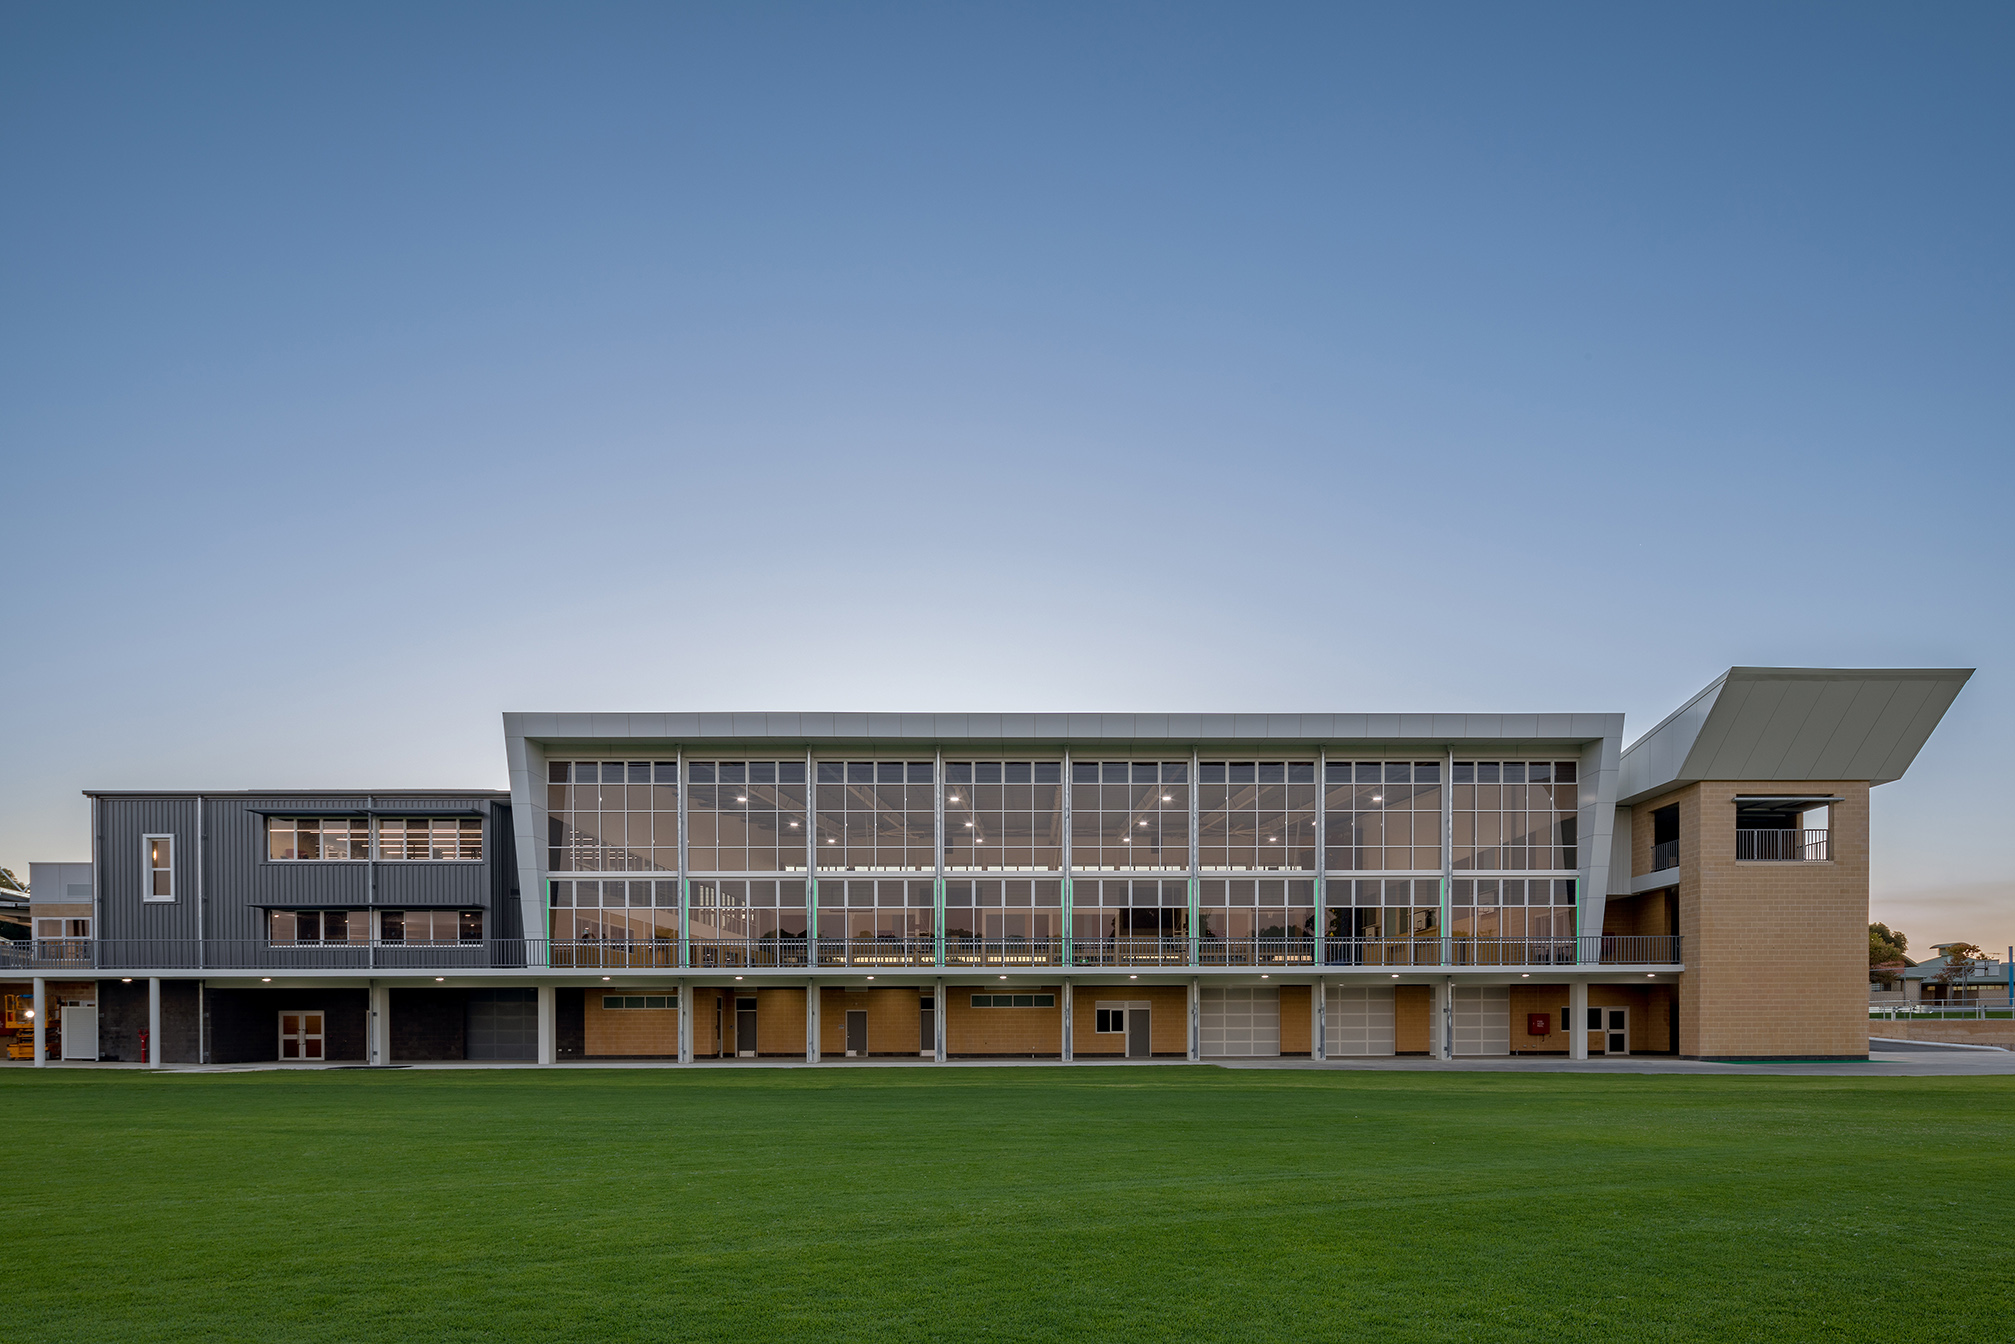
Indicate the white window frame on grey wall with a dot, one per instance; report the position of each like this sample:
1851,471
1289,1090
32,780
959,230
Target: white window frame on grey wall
148,892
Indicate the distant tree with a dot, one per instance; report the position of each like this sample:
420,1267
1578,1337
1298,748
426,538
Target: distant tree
1961,960
1885,945
7,879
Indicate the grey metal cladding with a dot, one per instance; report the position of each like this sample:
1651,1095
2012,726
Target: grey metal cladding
122,876
1794,724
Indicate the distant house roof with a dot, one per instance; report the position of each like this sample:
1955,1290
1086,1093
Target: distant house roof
1984,972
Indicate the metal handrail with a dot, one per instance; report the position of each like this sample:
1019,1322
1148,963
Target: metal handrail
215,955
1665,855
1942,1010
1783,846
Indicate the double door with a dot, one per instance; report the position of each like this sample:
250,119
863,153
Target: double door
1609,1030
301,1036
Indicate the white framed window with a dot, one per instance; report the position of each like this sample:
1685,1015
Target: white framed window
158,851
430,839
48,927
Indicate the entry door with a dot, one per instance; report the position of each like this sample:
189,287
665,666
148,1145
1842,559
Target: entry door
1137,1038
927,1043
857,1033
1616,1031
720,1038
80,1032
745,1028
300,1036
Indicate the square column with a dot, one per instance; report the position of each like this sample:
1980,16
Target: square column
1195,1011
811,1022
1442,1021
1069,1036
378,1029
1318,1026
685,1022
1577,1027
153,1021
548,1027
938,1023
41,1016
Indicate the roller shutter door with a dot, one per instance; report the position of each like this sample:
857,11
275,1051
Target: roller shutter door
1360,1020
1239,1023
1482,1019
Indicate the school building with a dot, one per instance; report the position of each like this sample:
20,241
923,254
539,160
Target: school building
704,888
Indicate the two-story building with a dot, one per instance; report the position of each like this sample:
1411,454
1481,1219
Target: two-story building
710,887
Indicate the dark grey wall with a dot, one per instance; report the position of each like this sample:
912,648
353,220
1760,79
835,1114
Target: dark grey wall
429,1024
244,1026
122,1016
239,881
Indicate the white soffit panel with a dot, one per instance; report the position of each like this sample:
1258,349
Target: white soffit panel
1794,723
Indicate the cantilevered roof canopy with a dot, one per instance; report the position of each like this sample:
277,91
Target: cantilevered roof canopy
1794,723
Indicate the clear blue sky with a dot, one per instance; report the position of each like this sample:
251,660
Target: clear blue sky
367,370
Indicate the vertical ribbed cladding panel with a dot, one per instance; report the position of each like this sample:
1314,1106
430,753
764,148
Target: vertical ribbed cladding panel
500,858
240,880
122,873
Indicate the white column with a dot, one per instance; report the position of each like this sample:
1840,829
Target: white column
548,1027
1069,1024
42,1017
1318,1027
378,1048
685,1022
1195,1006
1577,1026
1443,1023
153,1021
938,1023
811,1022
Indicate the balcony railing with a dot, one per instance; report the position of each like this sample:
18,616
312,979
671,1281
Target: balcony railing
1783,846
1665,855
89,956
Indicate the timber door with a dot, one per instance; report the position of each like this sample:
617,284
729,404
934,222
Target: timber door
1139,1043
1616,1031
857,1033
300,1036
745,1028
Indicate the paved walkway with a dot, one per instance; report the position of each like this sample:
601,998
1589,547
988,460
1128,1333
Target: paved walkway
1899,1059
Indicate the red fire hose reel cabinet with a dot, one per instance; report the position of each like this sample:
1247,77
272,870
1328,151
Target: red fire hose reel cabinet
1539,1024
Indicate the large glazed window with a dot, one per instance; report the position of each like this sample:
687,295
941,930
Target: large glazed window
1014,910
287,928
1384,908
1256,816
1129,815
430,927
866,909
745,816
734,911
317,839
612,816
1489,908
1382,816
877,816
1003,815
1515,816
614,911
1117,909
1269,908
431,839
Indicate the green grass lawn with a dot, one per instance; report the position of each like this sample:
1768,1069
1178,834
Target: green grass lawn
1003,1204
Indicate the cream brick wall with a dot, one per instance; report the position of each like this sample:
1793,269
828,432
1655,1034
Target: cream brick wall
629,1031
1295,1027
1002,1031
1775,952
895,1020
1168,1019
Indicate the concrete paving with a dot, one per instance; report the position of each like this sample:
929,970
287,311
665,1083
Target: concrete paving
1897,1060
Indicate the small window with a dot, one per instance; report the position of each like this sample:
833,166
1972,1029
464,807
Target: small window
613,1002
160,852
1014,1000
62,928
1111,1020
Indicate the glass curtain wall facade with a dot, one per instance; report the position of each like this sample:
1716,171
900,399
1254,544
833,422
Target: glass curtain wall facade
1055,862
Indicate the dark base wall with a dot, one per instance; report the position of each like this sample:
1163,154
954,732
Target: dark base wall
429,1024
244,1024
570,1023
122,1016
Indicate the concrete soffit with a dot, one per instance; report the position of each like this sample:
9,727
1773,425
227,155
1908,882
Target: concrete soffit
1791,723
